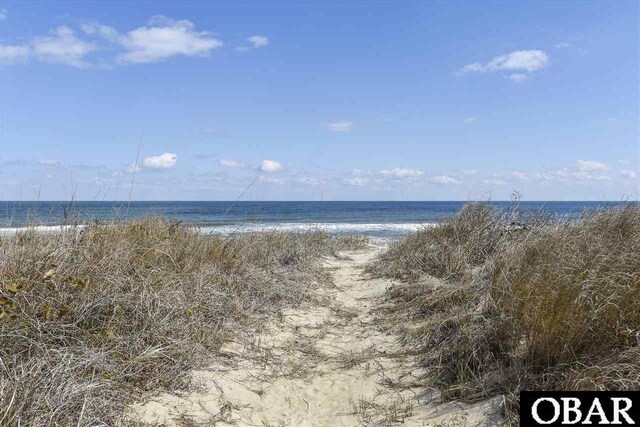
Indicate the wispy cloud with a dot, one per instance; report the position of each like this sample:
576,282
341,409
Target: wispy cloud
519,61
470,119
160,39
403,173
628,174
562,45
104,31
62,47
518,77
306,180
585,171
47,162
358,181
572,176
231,163
258,41
340,126
444,180
14,54
277,180
591,166
494,181
3,14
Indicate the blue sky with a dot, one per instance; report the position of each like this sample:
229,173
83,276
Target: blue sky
348,101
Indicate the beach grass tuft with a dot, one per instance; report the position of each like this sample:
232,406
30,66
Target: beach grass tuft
92,318
498,306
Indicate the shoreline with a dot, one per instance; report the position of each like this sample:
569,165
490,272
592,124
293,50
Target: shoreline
382,232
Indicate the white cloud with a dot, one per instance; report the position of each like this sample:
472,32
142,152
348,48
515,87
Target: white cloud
270,166
562,45
624,162
470,119
14,54
444,180
231,163
258,41
518,77
358,181
163,38
628,174
520,60
591,166
526,60
242,49
469,171
3,14
47,162
163,161
340,126
62,47
403,173
160,39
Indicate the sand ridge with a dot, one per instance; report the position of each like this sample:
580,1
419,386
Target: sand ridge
326,363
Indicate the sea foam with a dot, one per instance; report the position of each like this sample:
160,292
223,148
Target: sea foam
381,230
337,228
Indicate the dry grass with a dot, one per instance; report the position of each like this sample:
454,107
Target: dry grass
90,319
448,250
499,308
388,414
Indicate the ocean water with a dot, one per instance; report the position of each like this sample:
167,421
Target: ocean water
384,220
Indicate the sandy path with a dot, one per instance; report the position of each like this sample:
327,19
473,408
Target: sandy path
329,363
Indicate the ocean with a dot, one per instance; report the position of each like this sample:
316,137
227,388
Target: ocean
383,220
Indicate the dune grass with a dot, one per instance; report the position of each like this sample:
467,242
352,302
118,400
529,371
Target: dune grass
92,318
497,307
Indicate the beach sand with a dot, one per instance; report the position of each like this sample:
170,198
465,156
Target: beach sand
332,362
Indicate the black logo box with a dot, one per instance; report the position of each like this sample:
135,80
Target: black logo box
547,410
